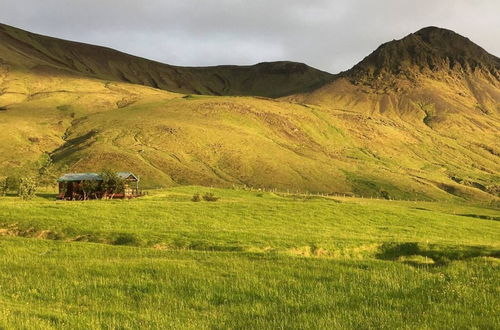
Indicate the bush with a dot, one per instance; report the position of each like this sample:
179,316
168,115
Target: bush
4,187
12,183
384,194
209,197
126,239
90,188
196,198
46,176
111,183
27,188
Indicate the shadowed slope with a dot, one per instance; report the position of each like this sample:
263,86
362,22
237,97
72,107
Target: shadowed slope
22,49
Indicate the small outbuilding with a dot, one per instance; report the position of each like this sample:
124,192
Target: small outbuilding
72,186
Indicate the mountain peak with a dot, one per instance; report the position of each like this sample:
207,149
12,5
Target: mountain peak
428,50
434,29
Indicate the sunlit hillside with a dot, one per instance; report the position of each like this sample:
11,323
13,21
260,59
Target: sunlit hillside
426,132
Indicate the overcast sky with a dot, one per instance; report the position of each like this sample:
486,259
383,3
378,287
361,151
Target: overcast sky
328,34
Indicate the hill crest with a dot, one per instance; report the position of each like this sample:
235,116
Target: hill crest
424,52
26,50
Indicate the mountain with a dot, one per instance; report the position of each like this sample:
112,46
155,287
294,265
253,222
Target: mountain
411,68
440,83
34,52
417,118
427,51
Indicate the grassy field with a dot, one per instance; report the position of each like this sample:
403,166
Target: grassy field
249,260
409,127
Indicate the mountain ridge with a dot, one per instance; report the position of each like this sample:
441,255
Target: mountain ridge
110,64
423,134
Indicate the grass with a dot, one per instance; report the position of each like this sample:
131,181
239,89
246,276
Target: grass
244,221
249,260
81,285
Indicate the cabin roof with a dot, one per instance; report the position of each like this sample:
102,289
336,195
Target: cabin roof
127,175
94,177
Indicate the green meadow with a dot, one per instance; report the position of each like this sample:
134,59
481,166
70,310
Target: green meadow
250,260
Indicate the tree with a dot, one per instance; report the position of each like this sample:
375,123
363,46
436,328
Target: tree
27,188
385,194
12,183
111,183
90,188
3,187
45,171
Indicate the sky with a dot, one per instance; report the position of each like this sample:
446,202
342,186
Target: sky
331,35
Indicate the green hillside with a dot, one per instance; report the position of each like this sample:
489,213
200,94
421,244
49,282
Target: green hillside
427,132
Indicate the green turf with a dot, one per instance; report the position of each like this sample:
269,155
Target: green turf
249,260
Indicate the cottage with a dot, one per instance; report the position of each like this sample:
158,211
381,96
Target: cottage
72,186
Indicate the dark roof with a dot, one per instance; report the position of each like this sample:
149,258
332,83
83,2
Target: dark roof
127,175
94,176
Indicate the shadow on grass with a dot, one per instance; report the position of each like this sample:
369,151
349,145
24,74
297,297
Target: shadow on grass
48,196
479,216
418,254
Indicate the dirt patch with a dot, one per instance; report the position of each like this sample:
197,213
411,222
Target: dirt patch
14,230
309,251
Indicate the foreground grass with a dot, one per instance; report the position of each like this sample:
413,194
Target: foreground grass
84,285
250,260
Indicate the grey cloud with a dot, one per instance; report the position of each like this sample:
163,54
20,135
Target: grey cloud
330,35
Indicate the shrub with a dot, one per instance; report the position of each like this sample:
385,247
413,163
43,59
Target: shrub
111,183
126,239
210,197
4,187
27,188
45,171
384,194
90,188
196,198
12,183
64,107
